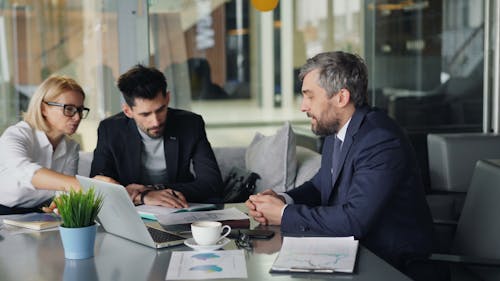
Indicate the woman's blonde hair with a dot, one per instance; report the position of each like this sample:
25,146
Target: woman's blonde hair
49,90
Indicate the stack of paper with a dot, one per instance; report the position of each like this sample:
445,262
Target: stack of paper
316,254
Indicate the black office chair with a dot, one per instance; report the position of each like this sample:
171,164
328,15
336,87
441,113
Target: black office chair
452,158
475,251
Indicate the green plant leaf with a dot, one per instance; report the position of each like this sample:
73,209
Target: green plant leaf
78,208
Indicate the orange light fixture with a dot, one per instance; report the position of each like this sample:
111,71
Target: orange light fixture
265,5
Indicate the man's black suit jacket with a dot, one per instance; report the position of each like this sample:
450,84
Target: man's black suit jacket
118,154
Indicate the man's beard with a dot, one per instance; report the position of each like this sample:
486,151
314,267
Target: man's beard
156,135
325,128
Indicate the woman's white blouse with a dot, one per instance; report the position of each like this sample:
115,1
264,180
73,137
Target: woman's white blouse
23,151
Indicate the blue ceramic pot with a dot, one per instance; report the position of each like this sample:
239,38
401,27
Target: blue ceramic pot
79,242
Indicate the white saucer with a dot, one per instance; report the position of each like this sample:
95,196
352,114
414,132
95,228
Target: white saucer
192,244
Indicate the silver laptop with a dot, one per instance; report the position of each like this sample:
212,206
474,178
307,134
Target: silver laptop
119,217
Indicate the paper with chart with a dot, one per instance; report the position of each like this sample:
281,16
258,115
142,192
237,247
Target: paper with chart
192,265
189,217
316,254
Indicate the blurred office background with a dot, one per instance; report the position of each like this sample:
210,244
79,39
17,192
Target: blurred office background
431,63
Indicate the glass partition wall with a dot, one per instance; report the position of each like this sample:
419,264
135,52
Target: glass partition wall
74,38
426,60
426,66
238,67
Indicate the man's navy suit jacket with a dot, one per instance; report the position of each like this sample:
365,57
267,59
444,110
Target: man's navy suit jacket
376,196
118,154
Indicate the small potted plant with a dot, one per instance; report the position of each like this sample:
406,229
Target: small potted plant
78,211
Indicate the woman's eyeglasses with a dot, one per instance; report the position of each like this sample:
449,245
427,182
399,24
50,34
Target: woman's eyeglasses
70,110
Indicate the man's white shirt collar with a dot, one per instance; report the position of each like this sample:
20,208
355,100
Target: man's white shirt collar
341,133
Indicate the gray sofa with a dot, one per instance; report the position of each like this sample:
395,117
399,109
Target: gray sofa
308,161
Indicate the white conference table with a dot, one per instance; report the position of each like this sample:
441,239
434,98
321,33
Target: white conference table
40,256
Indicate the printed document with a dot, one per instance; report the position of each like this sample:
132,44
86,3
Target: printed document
192,265
189,217
316,254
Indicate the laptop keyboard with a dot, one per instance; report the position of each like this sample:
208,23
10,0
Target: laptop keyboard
160,236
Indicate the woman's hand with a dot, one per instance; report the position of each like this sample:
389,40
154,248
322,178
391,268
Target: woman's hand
106,179
52,208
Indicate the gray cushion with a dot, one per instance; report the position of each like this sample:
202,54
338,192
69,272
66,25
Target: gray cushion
274,159
84,163
229,157
308,163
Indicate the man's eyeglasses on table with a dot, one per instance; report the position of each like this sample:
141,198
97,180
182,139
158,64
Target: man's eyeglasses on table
243,241
70,110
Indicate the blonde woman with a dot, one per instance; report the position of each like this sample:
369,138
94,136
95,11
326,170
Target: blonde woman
36,156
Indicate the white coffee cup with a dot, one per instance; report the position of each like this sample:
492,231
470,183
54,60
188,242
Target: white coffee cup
208,232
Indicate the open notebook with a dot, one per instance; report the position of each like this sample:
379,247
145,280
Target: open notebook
151,212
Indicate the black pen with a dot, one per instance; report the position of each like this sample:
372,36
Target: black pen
174,194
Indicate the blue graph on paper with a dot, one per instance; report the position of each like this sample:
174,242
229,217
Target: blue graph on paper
325,260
